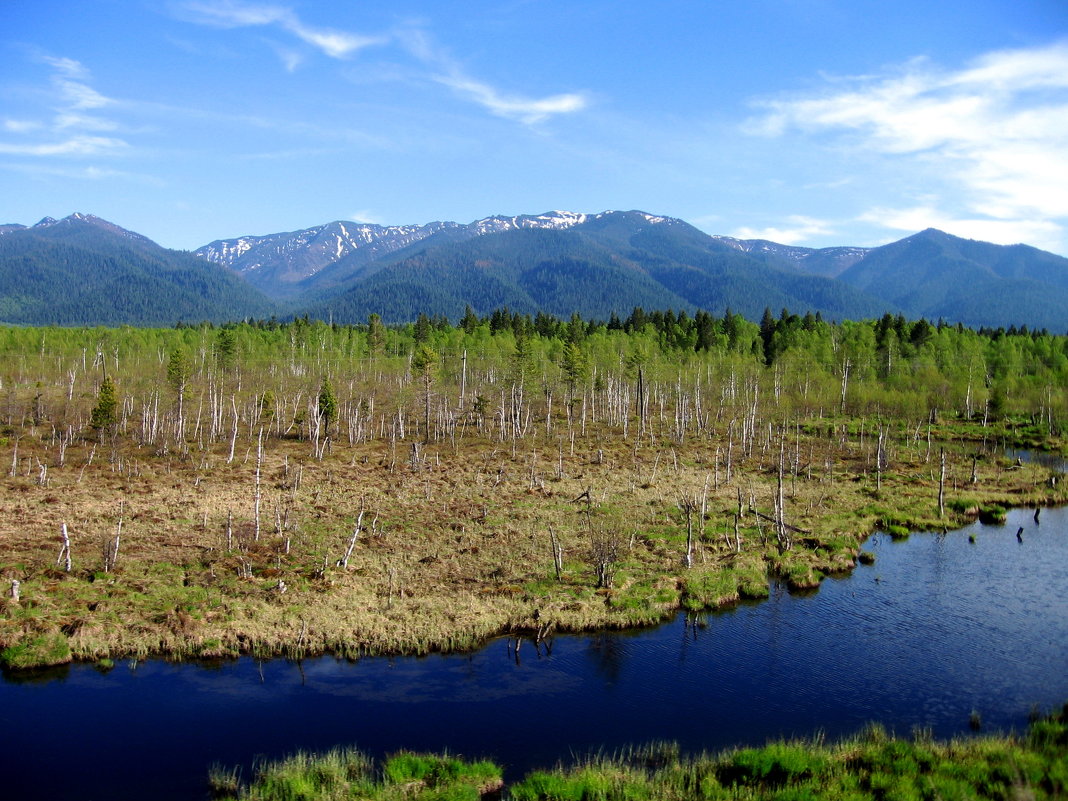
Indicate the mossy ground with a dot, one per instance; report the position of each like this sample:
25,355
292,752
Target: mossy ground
460,547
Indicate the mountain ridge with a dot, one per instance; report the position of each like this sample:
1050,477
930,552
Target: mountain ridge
84,270
557,262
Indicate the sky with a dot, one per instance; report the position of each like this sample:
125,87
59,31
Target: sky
807,122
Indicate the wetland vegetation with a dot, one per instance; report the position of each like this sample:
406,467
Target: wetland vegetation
301,488
871,765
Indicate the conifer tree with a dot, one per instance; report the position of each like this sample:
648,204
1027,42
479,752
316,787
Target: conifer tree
327,404
104,414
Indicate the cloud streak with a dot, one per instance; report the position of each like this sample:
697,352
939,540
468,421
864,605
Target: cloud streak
72,131
800,229
338,44
993,135
448,72
329,41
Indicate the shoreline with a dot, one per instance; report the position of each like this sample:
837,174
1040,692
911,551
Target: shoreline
338,615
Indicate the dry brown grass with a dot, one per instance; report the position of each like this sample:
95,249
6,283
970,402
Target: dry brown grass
460,550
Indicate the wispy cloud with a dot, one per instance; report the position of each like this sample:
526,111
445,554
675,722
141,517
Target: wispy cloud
525,109
992,136
87,173
73,146
1042,233
366,217
340,44
228,14
798,229
70,130
448,72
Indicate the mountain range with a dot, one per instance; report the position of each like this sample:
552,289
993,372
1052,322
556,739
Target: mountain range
84,270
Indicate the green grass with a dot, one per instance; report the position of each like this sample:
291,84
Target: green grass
346,773
41,651
871,766
993,513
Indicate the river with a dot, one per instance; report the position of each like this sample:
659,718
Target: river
937,627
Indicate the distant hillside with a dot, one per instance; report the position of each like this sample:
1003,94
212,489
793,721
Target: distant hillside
594,265
830,262
289,264
936,275
83,270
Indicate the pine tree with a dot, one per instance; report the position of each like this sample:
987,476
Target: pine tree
327,404
104,414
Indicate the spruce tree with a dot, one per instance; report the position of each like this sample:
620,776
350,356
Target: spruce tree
104,414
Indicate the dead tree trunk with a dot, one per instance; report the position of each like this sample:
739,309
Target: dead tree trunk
64,550
558,554
942,486
343,562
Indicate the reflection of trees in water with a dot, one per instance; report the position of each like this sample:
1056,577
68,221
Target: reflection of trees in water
607,653
45,675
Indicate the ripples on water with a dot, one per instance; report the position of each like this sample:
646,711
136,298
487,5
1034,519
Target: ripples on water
935,628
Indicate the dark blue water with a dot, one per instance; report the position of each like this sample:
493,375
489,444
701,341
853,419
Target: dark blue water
935,628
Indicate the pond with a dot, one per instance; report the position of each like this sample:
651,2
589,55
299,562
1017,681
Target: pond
937,627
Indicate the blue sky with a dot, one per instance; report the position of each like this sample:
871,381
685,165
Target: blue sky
810,122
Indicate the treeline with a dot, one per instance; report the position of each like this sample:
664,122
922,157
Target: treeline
511,370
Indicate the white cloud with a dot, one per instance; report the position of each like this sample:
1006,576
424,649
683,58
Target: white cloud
22,126
447,72
74,146
367,217
91,173
229,14
524,109
340,44
69,131
993,136
78,95
799,229
1040,233
84,122
66,67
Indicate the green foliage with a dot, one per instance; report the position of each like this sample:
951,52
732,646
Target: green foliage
226,348
424,359
177,371
81,273
574,365
104,414
376,334
328,409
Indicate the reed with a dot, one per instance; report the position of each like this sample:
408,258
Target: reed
873,764
346,773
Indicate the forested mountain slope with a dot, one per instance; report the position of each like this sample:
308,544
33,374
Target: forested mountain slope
83,270
601,264
936,275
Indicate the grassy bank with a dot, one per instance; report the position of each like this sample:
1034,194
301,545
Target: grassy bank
871,765
349,774
455,540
